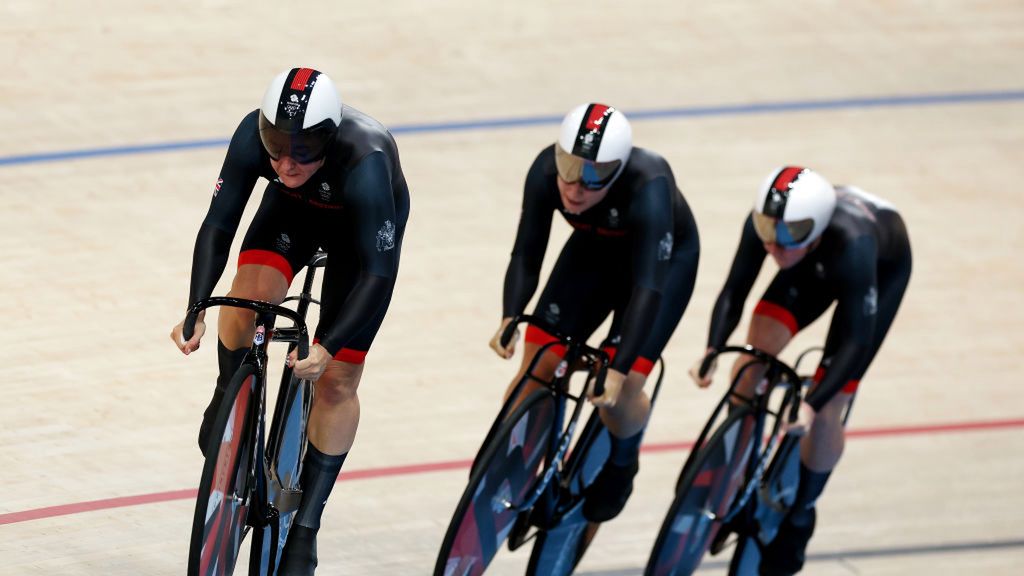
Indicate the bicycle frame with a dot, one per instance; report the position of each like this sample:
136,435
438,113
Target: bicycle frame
777,374
271,490
578,357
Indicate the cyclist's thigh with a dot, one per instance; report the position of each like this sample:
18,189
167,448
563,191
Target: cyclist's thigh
340,276
585,284
675,296
279,238
892,280
794,299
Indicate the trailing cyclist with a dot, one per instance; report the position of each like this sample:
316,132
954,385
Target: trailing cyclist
832,244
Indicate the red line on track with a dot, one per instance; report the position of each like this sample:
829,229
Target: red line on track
409,469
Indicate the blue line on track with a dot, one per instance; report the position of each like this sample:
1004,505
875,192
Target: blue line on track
500,123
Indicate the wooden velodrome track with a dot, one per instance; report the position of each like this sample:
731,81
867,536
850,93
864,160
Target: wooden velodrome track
114,123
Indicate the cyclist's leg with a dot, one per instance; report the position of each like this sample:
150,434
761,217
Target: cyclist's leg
823,446
795,298
273,250
627,419
334,417
571,301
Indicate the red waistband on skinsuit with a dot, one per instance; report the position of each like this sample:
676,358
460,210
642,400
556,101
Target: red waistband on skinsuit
348,354
535,335
539,337
849,388
779,313
267,258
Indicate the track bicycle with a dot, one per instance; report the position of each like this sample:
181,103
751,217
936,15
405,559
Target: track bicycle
741,476
526,483
250,481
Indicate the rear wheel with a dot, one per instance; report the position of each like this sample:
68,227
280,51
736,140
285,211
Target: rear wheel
222,506
706,494
505,472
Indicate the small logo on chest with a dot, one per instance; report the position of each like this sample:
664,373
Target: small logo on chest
613,218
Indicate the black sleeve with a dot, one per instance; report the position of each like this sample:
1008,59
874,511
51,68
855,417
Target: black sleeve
650,214
854,318
234,186
523,272
371,229
745,267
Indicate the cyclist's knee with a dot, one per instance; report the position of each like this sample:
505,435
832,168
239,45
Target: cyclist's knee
831,413
633,385
545,366
263,283
339,383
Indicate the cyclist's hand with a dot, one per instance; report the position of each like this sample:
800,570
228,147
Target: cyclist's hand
193,343
695,370
505,352
613,381
312,366
804,419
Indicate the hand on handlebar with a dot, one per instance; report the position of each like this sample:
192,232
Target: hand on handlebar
312,366
509,350
612,388
703,381
192,344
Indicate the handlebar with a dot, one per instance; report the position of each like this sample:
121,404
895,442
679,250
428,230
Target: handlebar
789,373
302,334
546,326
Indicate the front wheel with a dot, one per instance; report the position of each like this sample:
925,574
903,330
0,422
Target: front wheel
507,469
225,491
556,552
285,449
706,494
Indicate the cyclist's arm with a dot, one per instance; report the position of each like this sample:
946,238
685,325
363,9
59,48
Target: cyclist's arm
237,177
854,318
650,214
523,272
746,265
371,229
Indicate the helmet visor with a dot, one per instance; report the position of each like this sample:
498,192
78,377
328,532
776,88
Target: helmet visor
591,175
786,234
304,147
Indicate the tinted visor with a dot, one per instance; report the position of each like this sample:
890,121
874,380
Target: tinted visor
590,175
304,147
776,231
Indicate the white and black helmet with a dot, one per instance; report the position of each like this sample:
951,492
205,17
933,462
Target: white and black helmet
793,207
300,115
594,145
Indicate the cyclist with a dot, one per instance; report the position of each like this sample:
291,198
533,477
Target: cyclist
633,251
832,244
335,183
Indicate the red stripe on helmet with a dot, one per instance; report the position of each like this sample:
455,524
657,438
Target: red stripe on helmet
595,120
301,78
786,178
